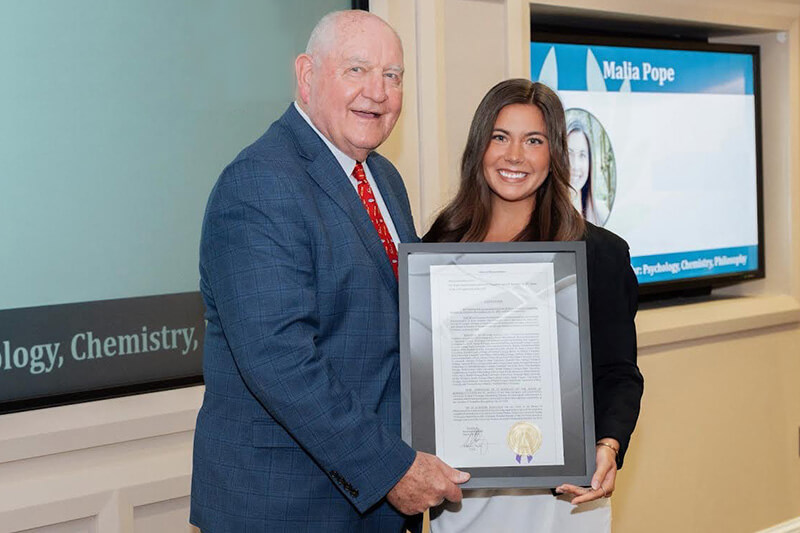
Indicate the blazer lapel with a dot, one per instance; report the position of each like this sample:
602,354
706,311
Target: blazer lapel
328,174
392,198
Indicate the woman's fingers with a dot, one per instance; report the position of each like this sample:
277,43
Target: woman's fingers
582,495
606,461
588,496
605,487
567,488
610,481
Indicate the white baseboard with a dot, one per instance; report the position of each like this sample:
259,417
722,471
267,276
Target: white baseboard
791,526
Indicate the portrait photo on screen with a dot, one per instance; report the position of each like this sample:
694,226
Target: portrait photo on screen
593,169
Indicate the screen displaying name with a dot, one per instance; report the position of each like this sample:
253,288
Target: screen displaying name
663,152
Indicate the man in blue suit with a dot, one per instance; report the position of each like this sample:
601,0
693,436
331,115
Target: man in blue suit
300,424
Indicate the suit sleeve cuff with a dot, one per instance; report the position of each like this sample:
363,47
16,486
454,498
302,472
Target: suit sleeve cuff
383,474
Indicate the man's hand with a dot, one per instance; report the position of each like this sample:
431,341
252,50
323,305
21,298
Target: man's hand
427,483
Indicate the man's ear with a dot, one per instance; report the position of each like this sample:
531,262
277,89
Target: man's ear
303,68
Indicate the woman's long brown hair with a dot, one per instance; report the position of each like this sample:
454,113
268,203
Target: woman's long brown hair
466,218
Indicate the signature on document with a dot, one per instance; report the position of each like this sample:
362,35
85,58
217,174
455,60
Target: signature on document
474,440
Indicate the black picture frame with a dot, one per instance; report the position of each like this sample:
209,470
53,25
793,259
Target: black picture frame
416,355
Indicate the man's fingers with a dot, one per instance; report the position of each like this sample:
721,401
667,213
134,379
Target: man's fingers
453,493
457,476
427,483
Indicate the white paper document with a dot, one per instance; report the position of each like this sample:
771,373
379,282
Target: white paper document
497,394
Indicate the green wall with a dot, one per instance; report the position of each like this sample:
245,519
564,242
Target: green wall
115,120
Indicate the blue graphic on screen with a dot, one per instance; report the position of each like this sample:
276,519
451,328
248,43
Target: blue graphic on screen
684,265
647,69
672,141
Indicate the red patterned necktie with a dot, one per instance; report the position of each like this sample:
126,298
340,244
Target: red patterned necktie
368,199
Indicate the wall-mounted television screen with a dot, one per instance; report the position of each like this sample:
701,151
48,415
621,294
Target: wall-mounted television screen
117,119
664,142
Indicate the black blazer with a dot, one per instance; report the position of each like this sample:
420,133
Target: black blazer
613,302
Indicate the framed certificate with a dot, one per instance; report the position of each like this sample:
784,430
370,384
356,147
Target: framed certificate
496,360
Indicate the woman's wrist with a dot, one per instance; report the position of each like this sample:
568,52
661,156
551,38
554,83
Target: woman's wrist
610,443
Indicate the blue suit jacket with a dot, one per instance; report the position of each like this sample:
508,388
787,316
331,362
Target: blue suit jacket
300,424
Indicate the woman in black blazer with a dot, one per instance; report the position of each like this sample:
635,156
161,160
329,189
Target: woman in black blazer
515,187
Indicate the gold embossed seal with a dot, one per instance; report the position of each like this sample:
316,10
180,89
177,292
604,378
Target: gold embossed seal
524,439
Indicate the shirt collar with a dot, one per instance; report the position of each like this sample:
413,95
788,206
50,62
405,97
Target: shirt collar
346,162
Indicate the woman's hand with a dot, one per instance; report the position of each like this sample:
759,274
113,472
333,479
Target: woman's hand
603,479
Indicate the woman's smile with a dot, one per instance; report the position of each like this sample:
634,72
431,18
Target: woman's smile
517,160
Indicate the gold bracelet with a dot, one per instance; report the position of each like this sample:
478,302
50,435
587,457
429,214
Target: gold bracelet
616,451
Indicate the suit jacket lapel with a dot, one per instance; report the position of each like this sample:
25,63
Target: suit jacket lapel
392,199
328,174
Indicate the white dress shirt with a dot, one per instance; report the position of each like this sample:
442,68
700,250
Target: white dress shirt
348,164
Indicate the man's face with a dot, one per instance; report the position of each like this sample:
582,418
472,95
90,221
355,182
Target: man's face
354,93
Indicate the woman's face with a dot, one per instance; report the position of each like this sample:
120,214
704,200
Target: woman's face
578,159
517,160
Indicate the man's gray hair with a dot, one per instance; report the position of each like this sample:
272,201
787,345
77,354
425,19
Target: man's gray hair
325,32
